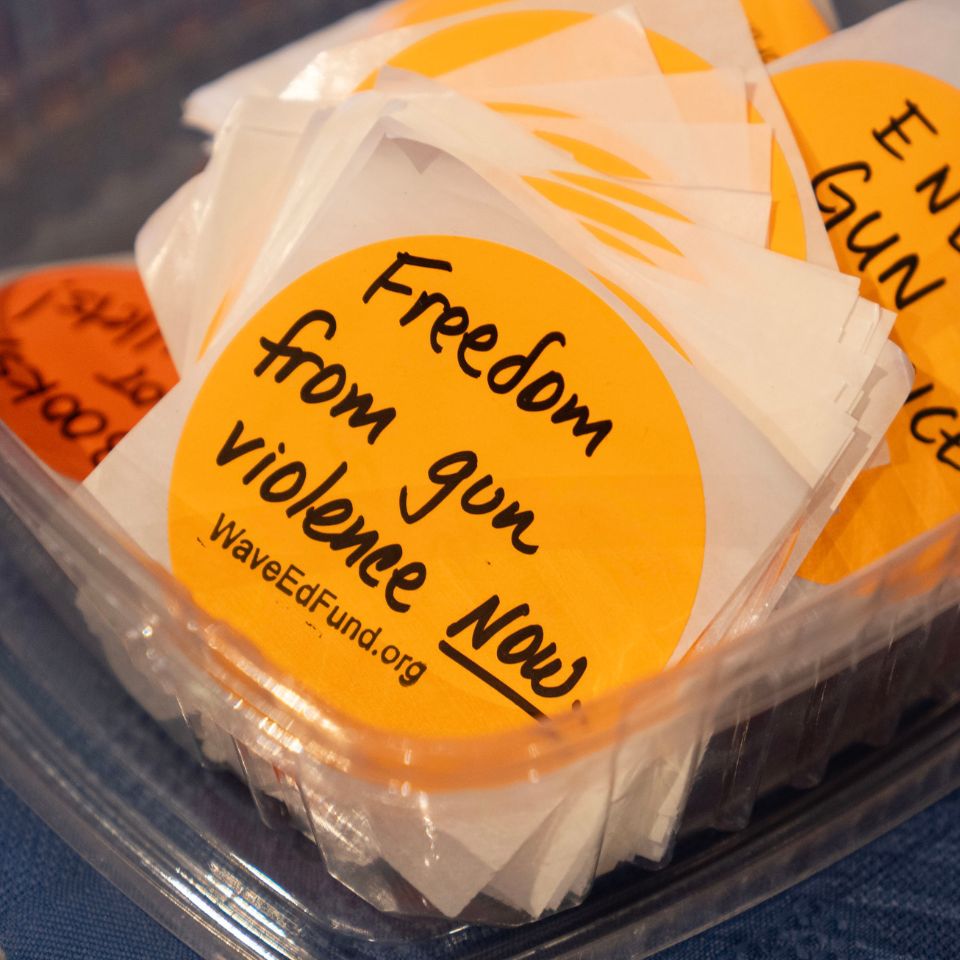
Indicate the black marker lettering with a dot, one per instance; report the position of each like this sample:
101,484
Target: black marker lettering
896,126
385,280
938,180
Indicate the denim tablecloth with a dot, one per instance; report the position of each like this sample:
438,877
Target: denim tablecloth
896,899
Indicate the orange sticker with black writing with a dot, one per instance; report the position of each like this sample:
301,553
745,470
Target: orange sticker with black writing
445,486
81,361
881,143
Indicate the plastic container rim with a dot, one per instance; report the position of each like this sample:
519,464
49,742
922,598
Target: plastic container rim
291,724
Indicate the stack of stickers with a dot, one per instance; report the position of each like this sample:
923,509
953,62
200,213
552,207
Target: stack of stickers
884,160
515,369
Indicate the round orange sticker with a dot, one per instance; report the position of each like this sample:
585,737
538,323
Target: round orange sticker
81,361
882,161
445,486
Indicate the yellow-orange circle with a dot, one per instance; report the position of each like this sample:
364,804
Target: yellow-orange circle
620,533
873,195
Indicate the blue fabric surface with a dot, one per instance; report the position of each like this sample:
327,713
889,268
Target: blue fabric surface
55,907
896,899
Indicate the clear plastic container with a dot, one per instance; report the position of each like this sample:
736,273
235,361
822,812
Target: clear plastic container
752,757
874,661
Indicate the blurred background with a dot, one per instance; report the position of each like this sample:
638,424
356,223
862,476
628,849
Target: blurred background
90,94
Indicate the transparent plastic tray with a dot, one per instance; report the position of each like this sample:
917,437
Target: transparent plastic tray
784,785
832,722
